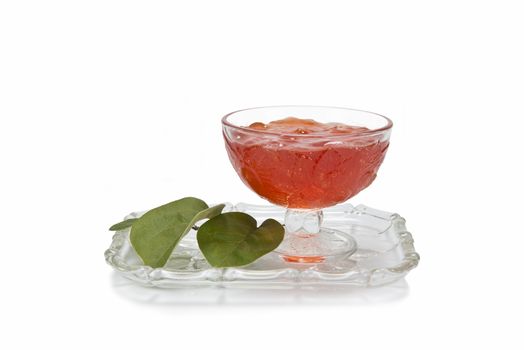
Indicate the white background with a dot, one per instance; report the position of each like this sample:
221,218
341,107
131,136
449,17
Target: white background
108,107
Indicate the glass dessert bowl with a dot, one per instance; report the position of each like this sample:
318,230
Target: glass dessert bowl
306,158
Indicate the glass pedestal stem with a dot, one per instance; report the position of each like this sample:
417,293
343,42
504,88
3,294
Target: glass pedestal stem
306,241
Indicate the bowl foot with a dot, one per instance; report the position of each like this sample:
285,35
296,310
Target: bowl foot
327,244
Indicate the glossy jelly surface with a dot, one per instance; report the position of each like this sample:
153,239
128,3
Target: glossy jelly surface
301,163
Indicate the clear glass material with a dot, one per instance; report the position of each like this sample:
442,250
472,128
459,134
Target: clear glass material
385,253
306,172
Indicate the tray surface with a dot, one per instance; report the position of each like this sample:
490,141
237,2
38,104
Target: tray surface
385,254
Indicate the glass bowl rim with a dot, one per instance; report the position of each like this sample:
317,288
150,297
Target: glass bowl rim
388,126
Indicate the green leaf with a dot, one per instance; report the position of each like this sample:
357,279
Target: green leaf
123,225
155,234
233,239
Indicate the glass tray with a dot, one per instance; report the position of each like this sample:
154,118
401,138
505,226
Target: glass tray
385,254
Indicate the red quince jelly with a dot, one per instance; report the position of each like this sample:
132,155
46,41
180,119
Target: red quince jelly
301,163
